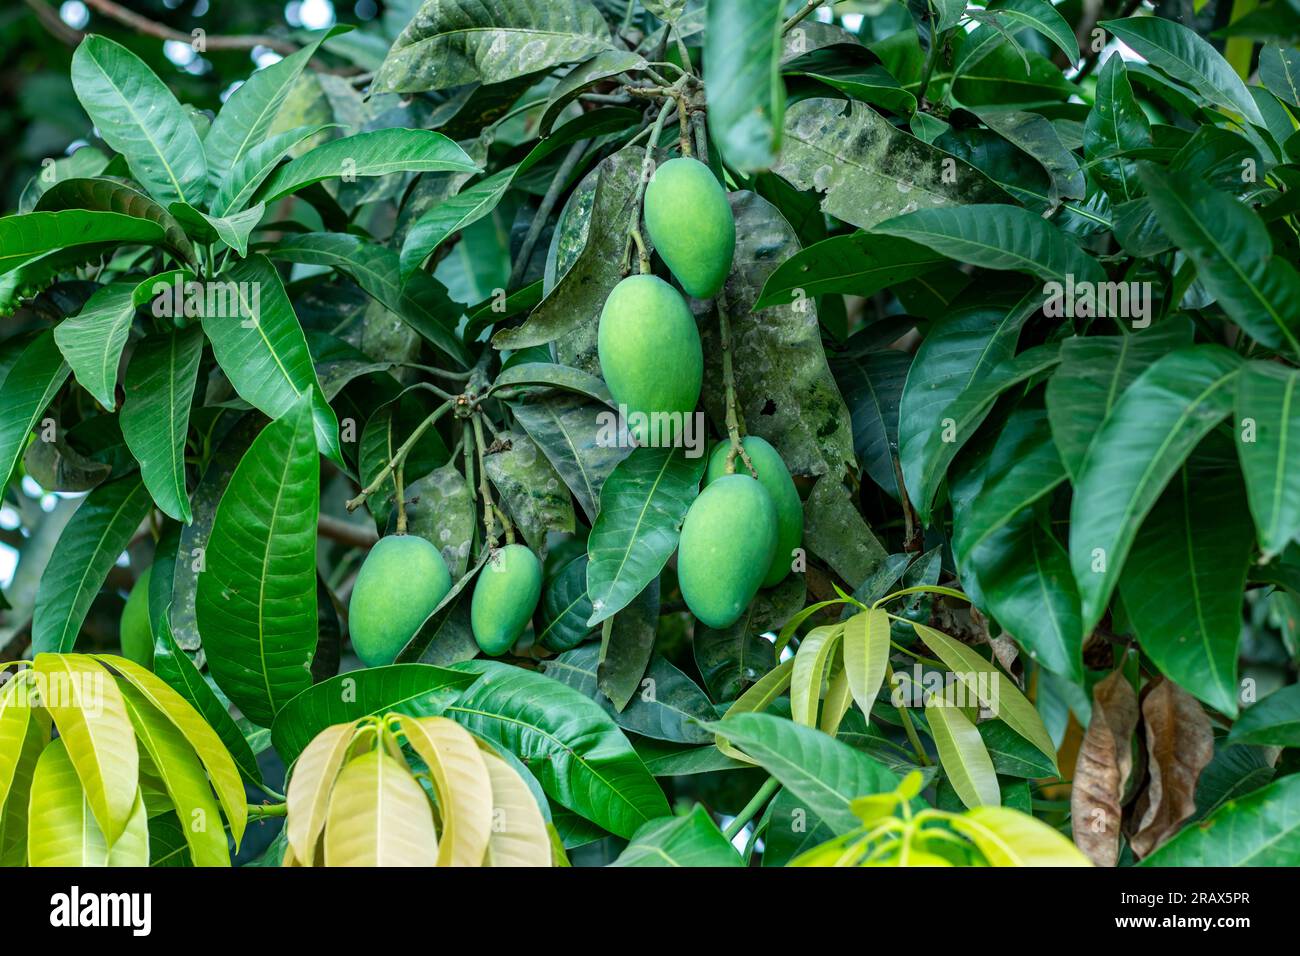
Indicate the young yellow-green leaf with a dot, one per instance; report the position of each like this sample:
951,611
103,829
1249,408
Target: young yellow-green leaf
256,598
183,778
61,829
90,545
204,741
991,687
90,714
810,671
866,655
692,839
519,836
962,754
25,393
92,340
15,717
313,778
462,783
1008,837
138,116
155,415
839,696
379,816
13,820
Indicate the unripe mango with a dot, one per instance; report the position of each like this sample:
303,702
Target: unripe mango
400,583
505,596
650,350
135,631
775,477
691,226
726,547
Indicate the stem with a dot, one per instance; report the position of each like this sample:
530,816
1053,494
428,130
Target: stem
259,810
931,59
544,211
489,522
908,727
808,8
756,803
399,484
398,457
729,380
911,653
634,231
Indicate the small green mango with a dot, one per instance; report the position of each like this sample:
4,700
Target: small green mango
726,547
400,583
650,352
135,631
505,596
691,226
775,477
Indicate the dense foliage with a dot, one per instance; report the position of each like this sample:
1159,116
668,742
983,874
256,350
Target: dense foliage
662,433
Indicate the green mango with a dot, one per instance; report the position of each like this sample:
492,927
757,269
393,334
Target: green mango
650,355
726,547
135,632
775,477
690,223
505,597
400,583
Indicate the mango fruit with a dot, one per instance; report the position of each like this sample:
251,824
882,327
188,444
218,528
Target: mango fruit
135,631
650,354
726,548
505,596
775,477
691,226
400,583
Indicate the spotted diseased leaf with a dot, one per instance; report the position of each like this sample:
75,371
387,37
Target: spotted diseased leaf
575,435
1102,770
532,491
440,509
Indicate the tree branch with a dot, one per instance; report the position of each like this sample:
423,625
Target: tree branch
213,41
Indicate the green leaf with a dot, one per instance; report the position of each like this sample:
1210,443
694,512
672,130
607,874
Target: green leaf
251,169
642,506
866,655
1036,135
735,657
454,42
138,116
1279,71
256,598
1158,420
1178,51
1116,125
91,716
441,510
392,424
626,647
1273,721
742,54
451,215
242,124
260,346
62,831
231,231
1233,253
1184,582
689,840
90,545
1259,829
1041,17
604,65
824,774
27,236
858,264
155,416
83,162
417,690
872,386
963,756
376,153
565,608
92,340
864,81
111,195
548,375
867,169
576,750
998,237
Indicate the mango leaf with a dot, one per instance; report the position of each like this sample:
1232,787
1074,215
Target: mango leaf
1159,419
392,424
643,503
452,214
1180,744
453,43
998,237
92,340
155,416
1041,17
965,760
314,773
1009,837
1116,125
1279,71
626,647
735,657
27,236
260,346
417,690
1233,254
83,162
824,775
576,750
25,393
1035,135
521,836
1180,52
1259,829
742,53
1274,721
90,545
864,81
379,816
550,375
112,195
375,153
1102,769
62,831
91,716
868,170
232,230
441,511
817,656
872,386
531,490
692,839
860,263
462,784
138,116
866,655
602,66
834,530
248,173
256,599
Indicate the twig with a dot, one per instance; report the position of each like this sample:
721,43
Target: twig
553,191
399,456
54,24
908,727
345,532
808,8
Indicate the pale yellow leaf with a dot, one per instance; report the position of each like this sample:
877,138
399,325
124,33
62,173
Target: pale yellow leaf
308,796
519,836
461,781
379,816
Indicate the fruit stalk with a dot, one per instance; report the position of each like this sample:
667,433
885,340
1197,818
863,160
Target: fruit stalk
807,8
729,381
647,165
489,508
399,456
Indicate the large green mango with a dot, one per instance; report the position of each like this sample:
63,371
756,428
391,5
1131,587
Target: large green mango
505,597
135,632
691,226
775,477
727,543
650,354
400,583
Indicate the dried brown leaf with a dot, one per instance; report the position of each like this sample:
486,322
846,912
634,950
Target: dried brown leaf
1102,770
1180,742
